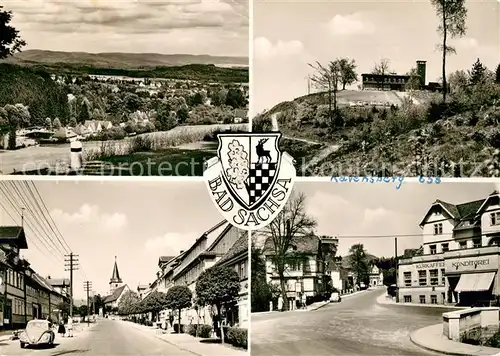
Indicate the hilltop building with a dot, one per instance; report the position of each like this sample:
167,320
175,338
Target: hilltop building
461,255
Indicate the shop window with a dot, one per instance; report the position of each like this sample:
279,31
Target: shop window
433,249
438,229
495,218
477,243
434,277
407,279
445,247
407,298
434,299
422,299
422,278
463,245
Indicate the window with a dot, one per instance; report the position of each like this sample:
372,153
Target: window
445,247
495,218
438,229
477,243
434,299
463,244
422,278
422,299
433,249
407,298
443,277
407,279
434,277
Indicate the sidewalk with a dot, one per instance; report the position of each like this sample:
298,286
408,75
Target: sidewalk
384,299
186,342
432,338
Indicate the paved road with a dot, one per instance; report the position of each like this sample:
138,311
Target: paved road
108,337
356,326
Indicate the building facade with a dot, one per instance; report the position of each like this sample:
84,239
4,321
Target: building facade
461,256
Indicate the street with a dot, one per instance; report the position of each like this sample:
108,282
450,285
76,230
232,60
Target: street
357,325
108,337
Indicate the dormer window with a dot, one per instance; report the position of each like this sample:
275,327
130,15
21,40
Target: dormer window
438,229
495,218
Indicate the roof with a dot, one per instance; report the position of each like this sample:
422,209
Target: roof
115,277
13,235
461,212
58,282
116,294
42,282
239,248
143,286
385,75
302,244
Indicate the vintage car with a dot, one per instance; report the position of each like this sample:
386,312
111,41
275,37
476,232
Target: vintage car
37,332
335,297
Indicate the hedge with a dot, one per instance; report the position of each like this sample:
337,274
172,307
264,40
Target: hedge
237,337
204,331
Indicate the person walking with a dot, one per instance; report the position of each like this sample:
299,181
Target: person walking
61,329
70,326
280,303
304,300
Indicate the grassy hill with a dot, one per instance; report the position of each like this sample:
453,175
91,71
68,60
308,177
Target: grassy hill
459,138
35,89
121,60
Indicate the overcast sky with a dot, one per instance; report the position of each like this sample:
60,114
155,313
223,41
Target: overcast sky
215,27
289,34
370,210
135,221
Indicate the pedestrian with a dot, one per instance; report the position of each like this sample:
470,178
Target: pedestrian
164,324
280,303
70,326
304,300
61,330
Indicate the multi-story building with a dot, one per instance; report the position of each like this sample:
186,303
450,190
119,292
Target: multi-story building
237,258
461,255
304,274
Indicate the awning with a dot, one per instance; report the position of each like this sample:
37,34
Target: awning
475,282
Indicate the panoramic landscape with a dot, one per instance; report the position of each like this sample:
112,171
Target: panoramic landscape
380,107
125,92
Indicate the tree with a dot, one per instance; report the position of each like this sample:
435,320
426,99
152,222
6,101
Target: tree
83,310
348,73
217,286
478,73
178,298
132,102
497,75
72,122
154,302
458,81
261,293
10,41
196,99
381,68
413,82
182,114
359,263
17,115
289,225
128,303
84,113
328,78
56,124
235,98
452,15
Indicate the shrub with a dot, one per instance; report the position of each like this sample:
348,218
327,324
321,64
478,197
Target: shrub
191,329
176,328
262,124
237,337
204,331
494,341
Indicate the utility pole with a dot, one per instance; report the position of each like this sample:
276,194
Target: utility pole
87,286
71,264
396,258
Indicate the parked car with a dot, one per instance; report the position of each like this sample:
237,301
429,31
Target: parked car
363,286
335,297
37,332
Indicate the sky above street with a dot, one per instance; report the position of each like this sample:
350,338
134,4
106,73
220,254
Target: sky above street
135,221
289,34
357,213
215,27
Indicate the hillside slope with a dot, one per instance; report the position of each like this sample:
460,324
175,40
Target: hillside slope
120,60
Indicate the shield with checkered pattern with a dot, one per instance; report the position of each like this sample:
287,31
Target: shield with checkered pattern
250,166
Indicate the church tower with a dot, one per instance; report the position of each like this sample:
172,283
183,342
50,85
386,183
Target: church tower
115,280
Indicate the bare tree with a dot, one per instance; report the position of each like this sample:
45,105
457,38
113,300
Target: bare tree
348,73
382,67
328,78
290,224
452,15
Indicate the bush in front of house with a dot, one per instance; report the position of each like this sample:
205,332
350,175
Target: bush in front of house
237,337
204,331
176,328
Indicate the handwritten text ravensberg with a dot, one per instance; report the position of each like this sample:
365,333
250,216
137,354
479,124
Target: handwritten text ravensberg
398,180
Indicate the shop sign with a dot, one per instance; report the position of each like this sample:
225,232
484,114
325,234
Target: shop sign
470,263
430,265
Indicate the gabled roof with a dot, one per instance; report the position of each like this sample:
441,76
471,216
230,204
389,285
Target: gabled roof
13,235
58,282
116,294
239,248
494,194
464,211
165,259
301,244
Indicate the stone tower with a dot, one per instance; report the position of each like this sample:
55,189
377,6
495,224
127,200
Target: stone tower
421,69
115,280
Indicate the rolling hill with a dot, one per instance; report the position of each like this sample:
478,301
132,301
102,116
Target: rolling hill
121,60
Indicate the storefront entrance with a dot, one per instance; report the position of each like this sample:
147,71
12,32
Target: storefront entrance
475,289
